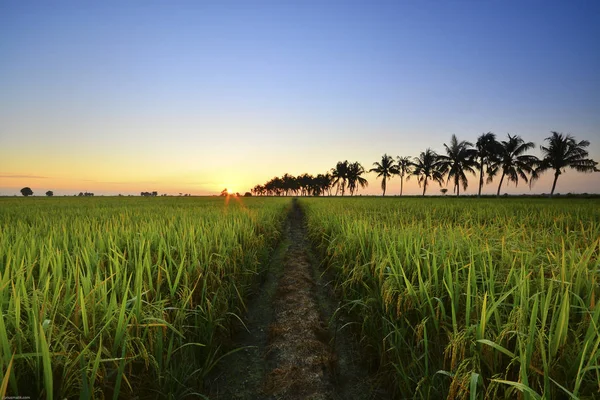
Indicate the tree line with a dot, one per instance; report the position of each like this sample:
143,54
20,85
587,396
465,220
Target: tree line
487,159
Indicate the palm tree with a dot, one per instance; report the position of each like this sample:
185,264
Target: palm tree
258,190
513,162
459,158
304,183
355,179
404,167
288,183
427,167
487,148
562,152
325,183
385,170
340,176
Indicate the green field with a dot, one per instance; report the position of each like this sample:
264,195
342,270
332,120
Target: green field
110,297
469,298
451,298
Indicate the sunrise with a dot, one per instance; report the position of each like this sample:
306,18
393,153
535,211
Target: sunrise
280,199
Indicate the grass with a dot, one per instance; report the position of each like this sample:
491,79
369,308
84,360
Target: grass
468,298
110,297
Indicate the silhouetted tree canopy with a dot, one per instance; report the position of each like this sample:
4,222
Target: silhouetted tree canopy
404,168
487,150
26,191
385,169
487,158
459,158
355,177
428,168
512,163
49,193
564,152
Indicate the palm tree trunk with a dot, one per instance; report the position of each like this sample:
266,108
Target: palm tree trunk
383,186
424,186
456,186
480,179
500,185
556,174
401,184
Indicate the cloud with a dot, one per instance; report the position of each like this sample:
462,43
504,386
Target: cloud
23,177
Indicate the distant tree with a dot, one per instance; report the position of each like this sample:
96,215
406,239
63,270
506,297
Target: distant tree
355,177
80,194
385,169
512,163
288,183
325,182
487,150
339,176
224,192
247,194
26,191
320,185
459,158
304,184
271,187
564,152
444,191
49,193
258,190
404,167
426,168
275,186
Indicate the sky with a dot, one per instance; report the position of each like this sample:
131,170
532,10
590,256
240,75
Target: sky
196,96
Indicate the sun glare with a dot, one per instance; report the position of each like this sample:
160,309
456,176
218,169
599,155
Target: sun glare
229,191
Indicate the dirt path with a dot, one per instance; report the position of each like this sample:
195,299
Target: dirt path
288,348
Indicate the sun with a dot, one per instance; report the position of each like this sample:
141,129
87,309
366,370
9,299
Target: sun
230,192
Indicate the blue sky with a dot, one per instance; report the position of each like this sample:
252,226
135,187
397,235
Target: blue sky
119,97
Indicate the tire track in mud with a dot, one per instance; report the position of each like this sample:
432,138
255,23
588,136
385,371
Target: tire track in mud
287,351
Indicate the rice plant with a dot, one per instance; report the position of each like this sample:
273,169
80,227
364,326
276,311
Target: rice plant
107,298
472,298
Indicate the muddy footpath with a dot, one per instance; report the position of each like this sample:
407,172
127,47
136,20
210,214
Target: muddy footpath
289,345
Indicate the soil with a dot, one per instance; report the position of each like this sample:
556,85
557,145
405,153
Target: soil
291,347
